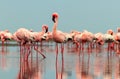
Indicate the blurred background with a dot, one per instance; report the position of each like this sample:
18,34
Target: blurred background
92,15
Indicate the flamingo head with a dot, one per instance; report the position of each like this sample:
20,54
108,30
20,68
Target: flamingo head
31,30
54,16
110,32
118,29
7,31
45,28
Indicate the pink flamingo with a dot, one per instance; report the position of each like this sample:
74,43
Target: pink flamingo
109,38
82,38
99,39
39,36
58,36
90,37
5,35
76,38
117,36
25,37
117,40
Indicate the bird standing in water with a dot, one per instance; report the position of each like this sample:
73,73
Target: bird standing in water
58,36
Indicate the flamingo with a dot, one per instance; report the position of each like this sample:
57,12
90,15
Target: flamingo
80,38
117,40
84,37
58,36
76,38
117,36
5,35
39,36
24,37
109,38
99,39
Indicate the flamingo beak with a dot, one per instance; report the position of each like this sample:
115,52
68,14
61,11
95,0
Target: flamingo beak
53,19
46,30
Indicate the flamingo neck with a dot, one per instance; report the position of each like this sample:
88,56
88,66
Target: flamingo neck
55,26
43,29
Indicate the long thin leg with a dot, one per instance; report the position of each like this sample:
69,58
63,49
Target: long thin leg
56,64
27,53
62,48
62,66
35,48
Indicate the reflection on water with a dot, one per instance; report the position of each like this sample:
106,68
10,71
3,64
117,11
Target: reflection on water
71,63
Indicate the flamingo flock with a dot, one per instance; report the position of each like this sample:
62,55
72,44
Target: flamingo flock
28,39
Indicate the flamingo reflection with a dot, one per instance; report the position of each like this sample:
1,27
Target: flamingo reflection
3,61
29,69
82,67
98,65
108,67
59,73
117,70
78,67
117,48
4,49
3,58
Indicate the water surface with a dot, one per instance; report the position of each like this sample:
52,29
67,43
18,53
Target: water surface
71,63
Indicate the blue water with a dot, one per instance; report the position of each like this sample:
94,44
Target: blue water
72,64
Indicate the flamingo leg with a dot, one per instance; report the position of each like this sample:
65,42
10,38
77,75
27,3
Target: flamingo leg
56,48
77,44
62,47
108,46
62,66
2,46
35,48
56,64
82,45
27,53
20,74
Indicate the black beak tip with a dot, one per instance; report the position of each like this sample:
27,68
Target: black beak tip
53,19
46,30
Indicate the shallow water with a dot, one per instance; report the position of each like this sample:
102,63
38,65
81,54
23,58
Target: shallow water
71,64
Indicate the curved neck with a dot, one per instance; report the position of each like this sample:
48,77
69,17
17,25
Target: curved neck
55,26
